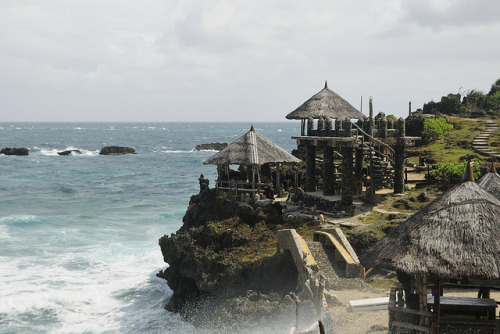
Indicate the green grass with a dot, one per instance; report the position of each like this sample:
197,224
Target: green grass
457,143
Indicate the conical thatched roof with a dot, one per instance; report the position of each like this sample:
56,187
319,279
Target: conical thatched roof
455,236
326,103
251,149
491,182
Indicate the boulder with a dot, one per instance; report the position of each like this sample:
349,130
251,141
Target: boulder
15,151
68,152
116,150
211,146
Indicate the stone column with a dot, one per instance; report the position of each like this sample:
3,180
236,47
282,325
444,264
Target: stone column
347,176
310,184
347,166
399,158
328,171
358,170
399,170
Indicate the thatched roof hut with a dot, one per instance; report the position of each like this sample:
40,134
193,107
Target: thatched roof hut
251,149
455,236
327,104
491,182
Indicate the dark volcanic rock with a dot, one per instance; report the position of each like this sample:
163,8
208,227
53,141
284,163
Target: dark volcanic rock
116,150
211,146
361,239
15,151
68,152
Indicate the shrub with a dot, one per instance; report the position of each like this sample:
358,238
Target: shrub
391,116
450,173
493,101
436,128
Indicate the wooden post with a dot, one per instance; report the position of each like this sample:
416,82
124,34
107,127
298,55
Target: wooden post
372,181
436,307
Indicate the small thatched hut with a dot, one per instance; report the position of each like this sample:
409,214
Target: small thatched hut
491,182
457,236
251,149
326,104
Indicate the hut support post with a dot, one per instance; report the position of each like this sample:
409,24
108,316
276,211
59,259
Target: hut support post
436,307
328,172
358,171
278,181
310,184
347,176
399,173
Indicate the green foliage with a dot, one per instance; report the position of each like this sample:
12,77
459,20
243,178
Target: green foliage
391,116
493,101
452,172
436,128
476,94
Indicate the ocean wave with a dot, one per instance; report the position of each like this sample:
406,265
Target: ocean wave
53,152
22,220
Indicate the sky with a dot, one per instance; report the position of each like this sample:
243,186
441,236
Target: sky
237,60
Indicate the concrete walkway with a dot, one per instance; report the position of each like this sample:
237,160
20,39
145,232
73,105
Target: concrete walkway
480,143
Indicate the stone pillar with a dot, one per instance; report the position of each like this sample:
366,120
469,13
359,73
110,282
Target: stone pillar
399,158
399,170
310,184
347,166
328,171
310,126
358,170
347,176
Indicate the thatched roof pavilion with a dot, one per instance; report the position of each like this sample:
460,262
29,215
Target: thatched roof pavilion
251,149
491,182
326,104
455,236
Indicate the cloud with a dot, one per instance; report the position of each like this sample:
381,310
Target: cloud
234,60
438,14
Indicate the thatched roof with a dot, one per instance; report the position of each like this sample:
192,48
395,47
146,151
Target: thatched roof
326,103
251,149
455,236
491,182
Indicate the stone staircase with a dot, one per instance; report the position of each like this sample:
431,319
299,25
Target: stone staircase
480,142
332,269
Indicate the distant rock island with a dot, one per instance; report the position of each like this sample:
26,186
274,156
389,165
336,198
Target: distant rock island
15,151
211,146
116,150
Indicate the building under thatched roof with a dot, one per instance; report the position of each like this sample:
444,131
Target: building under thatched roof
251,149
455,236
491,182
327,104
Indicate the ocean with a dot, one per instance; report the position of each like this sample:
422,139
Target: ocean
79,234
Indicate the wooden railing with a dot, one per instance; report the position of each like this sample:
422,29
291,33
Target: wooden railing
400,316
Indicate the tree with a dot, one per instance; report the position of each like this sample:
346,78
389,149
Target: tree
436,128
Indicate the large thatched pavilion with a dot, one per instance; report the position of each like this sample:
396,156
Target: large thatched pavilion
251,150
491,182
456,238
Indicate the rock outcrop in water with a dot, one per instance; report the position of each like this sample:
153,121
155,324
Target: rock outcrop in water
116,150
224,270
15,151
211,146
69,152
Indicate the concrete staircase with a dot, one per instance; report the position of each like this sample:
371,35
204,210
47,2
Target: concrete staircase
480,142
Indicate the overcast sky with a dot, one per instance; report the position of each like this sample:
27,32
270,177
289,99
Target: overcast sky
237,60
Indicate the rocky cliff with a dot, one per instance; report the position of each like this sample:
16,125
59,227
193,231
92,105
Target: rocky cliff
224,267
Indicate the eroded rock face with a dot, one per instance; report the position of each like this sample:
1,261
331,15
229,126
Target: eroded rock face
116,150
69,152
14,151
212,282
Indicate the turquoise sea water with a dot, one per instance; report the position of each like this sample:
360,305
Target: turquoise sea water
79,234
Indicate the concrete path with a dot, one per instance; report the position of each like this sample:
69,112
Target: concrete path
480,143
